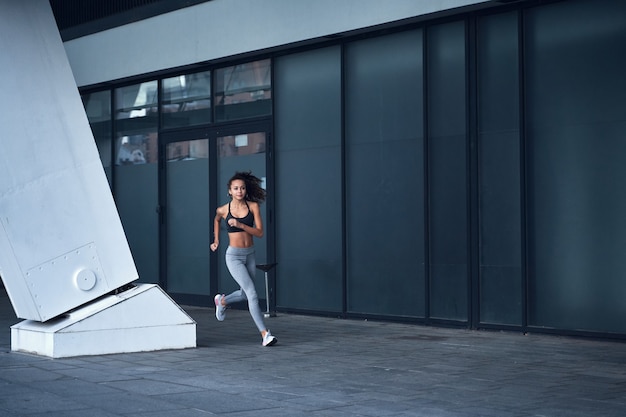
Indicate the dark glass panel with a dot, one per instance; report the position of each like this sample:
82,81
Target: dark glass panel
499,170
136,124
448,171
186,100
188,223
243,91
576,121
385,175
308,180
242,152
98,108
136,101
136,173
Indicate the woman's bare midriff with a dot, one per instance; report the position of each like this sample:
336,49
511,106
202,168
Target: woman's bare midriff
240,240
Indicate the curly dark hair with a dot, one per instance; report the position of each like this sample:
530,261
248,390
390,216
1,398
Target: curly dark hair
254,191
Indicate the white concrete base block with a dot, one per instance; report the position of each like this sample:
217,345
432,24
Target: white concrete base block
140,319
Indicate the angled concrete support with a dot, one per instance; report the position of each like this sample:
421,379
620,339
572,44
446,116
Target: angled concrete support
62,246
132,321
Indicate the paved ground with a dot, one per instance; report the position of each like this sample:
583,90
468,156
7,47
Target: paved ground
323,367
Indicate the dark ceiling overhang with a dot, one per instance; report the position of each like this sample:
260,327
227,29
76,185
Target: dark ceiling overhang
76,18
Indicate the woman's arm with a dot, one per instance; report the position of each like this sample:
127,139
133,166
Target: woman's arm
216,228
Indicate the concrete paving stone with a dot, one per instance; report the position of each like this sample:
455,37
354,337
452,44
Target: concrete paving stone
75,387
183,412
312,403
324,366
275,412
53,365
274,395
34,401
142,368
334,412
376,409
10,389
93,362
94,375
109,362
174,376
243,383
86,412
9,359
389,394
124,403
151,388
302,391
431,413
219,402
574,410
27,374
484,411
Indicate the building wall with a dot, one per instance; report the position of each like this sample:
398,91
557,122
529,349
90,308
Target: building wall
224,28
461,169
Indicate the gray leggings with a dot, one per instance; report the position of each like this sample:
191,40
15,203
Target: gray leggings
242,265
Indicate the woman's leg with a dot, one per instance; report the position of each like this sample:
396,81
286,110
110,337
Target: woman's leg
241,264
235,297
239,295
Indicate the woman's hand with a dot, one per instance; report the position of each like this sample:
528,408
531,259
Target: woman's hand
214,246
235,223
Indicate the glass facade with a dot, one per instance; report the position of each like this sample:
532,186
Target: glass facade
385,175
447,171
186,100
135,177
136,124
576,119
241,152
243,91
187,222
98,108
499,177
308,181
465,171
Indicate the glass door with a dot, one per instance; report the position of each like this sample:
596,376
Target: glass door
241,151
196,169
187,219
136,174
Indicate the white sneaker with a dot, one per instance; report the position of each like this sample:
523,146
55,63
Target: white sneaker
269,340
220,310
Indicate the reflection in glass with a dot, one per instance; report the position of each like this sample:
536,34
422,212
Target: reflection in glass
139,100
98,106
239,145
186,100
243,90
136,185
135,112
137,149
98,109
188,150
136,194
